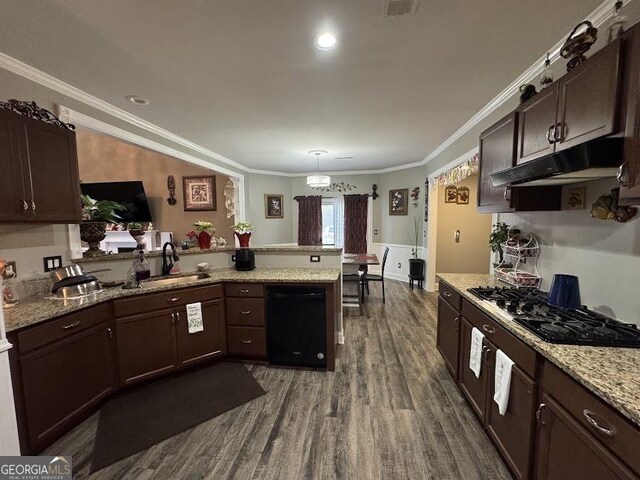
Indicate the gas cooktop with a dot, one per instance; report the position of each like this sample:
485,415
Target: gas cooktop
529,308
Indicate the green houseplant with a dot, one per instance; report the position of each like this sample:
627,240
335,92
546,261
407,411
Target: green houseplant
416,265
95,216
500,233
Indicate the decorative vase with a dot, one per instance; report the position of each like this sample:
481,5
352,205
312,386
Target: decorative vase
204,240
138,236
243,238
93,233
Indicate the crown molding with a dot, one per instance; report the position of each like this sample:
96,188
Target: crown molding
598,17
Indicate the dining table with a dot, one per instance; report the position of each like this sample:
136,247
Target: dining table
360,259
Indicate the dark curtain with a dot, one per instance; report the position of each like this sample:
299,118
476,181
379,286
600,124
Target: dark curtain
355,223
310,220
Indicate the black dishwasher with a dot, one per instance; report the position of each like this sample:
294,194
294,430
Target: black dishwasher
297,326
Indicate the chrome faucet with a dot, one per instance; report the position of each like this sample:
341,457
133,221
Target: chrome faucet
167,262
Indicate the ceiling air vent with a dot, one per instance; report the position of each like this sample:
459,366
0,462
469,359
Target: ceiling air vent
397,8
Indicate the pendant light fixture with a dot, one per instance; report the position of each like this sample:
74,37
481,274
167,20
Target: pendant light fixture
317,180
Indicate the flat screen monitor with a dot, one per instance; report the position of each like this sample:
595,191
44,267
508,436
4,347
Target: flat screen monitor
129,194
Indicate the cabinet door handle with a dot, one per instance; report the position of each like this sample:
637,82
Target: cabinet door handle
447,294
177,317
110,333
623,175
456,323
562,129
488,329
507,193
71,325
246,342
486,351
245,290
33,207
588,414
173,299
541,407
245,312
173,318
551,134
25,206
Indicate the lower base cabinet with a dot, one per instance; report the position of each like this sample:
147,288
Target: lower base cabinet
62,381
210,342
566,451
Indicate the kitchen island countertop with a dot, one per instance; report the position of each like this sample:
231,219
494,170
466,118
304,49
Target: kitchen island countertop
29,312
613,374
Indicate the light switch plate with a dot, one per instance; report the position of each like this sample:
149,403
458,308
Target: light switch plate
52,263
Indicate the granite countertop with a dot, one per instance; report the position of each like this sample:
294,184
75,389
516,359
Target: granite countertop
226,249
29,312
613,374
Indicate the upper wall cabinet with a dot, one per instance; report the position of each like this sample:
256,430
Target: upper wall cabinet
579,107
497,152
39,157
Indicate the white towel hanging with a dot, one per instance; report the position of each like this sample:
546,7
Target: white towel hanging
475,355
194,317
502,381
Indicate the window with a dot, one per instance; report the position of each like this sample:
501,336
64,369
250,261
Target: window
328,222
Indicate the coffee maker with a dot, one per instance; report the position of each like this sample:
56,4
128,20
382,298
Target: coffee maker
245,259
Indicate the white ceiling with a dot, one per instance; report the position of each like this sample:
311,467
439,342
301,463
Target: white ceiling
243,79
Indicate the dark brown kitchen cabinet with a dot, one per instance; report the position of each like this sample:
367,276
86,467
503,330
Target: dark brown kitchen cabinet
580,106
566,451
497,152
210,342
448,339
474,388
146,345
60,382
43,171
536,120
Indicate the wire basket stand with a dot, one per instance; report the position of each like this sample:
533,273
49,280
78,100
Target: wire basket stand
525,251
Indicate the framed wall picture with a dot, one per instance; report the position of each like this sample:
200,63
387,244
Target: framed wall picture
199,193
450,194
576,198
462,197
399,201
273,205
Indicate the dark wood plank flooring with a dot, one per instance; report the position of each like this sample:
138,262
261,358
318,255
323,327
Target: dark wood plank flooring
389,411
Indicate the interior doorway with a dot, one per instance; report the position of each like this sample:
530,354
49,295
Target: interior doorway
459,235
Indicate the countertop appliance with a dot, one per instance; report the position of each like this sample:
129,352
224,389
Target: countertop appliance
245,259
581,326
297,326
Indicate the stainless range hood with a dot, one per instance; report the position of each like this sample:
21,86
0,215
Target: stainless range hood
589,161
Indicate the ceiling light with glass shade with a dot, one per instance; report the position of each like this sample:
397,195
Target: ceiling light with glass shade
317,180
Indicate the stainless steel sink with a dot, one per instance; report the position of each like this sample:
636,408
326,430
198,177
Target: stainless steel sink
173,280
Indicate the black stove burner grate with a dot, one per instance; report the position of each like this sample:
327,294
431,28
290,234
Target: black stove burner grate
530,309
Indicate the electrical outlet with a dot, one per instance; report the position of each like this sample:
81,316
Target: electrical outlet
399,265
375,231
52,263
10,271
314,258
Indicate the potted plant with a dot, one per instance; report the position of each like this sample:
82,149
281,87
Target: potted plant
243,231
203,236
95,216
499,235
416,265
137,232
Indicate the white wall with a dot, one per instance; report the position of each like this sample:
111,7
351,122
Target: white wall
269,230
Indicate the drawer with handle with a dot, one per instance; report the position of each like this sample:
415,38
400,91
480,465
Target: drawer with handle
615,432
172,298
249,341
244,289
58,328
245,311
452,297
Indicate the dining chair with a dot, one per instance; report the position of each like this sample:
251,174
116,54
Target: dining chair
370,277
357,279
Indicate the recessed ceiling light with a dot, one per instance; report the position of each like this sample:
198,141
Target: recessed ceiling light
326,41
138,100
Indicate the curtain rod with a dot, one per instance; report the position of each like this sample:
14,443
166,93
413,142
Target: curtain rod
327,198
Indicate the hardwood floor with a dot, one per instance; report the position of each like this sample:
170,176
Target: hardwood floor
389,411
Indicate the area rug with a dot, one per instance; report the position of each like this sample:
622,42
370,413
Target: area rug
137,420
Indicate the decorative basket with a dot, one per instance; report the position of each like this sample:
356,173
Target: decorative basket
518,278
527,247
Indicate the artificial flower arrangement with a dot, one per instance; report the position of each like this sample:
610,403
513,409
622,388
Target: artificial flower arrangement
243,231
203,237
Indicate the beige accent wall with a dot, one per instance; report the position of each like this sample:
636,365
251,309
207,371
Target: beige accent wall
471,255
105,159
